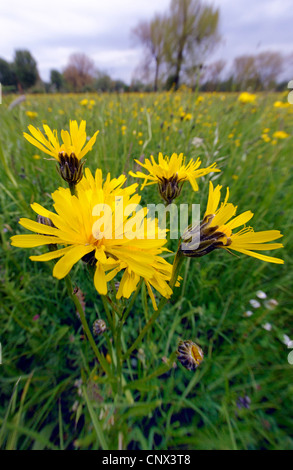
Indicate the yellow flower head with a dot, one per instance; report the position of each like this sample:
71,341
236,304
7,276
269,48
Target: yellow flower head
86,229
72,142
280,135
31,114
217,231
246,97
169,173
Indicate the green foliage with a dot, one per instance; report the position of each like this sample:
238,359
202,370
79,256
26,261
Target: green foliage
53,394
25,68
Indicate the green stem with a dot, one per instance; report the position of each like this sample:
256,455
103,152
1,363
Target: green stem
79,308
176,267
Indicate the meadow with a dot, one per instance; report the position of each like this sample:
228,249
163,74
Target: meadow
53,395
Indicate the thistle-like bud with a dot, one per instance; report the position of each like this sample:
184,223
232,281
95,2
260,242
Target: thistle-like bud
189,354
199,240
70,168
169,189
99,327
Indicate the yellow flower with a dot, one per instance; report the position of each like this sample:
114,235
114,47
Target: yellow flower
246,97
280,135
31,114
83,102
169,173
280,104
36,157
216,231
106,241
73,141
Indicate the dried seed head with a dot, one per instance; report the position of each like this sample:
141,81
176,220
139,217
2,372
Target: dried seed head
99,326
189,354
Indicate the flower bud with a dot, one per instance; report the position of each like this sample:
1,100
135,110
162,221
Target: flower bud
199,240
70,168
169,189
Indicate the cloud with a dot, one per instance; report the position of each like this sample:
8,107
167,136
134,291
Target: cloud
101,29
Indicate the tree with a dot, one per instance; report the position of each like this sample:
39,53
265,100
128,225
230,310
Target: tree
79,72
7,75
211,76
56,79
269,66
152,36
25,68
192,31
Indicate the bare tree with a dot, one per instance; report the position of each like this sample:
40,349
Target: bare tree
211,75
192,31
152,36
79,71
269,66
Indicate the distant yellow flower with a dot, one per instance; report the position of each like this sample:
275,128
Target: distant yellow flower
246,97
110,246
171,172
84,102
31,114
36,157
216,231
280,104
280,135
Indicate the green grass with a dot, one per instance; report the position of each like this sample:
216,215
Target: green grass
44,356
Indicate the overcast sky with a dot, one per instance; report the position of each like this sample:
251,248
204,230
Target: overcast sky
101,29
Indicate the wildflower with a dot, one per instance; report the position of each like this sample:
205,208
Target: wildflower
248,313
216,231
69,153
280,104
267,326
36,157
254,303
83,102
287,341
171,173
246,97
243,402
107,240
280,135
31,114
189,354
261,295
270,304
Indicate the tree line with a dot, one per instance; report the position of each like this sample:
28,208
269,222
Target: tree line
176,46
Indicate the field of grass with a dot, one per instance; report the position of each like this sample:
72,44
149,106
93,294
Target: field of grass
53,395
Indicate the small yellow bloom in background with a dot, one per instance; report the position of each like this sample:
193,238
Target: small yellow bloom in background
92,102
231,135
280,104
36,157
84,102
171,172
235,177
280,135
31,114
274,142
246,97
266,130
140,142
199,99
187,117
265,137
50,110
216,231
123,130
